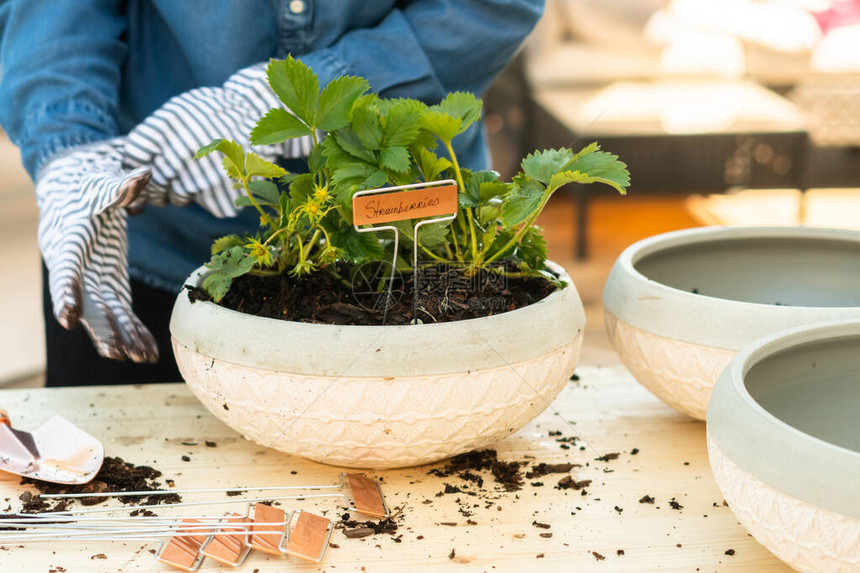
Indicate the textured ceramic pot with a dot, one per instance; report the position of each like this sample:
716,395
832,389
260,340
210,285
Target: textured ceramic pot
378,396
784,444
679,306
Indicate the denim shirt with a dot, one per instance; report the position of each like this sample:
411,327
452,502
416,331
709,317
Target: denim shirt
75,72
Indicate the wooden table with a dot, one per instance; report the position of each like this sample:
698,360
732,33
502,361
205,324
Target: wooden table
606,408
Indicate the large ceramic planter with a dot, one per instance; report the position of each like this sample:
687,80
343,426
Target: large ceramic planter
679,306
784,444
378,396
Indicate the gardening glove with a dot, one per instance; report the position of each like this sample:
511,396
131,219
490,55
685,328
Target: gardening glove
167,140
81,195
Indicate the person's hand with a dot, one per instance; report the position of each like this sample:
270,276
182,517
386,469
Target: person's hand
82,194
167,141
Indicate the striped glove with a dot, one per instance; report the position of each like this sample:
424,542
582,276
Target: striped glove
167,140
81,195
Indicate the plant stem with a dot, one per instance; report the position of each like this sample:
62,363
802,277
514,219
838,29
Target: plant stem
459,175
314,240
265,216
522,230
433,256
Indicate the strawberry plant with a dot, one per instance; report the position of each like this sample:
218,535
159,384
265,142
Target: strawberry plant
370,142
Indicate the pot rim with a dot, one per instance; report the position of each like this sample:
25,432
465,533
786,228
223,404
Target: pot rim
757,440
645,303
422,349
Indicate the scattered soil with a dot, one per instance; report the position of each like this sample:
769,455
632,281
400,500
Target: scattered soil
115,475
507,474
355,529
444,294
567,482
543,469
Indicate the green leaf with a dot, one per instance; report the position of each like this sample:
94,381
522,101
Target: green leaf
492,189
223,268
489,213
532,249
462,105
257,166
265,191
542,165
441,125
564,177
502,238
357,247
227,242
599,167
366,124
208,148
376,179
351,144
336,101
471,195
430,236
316,161
276,126
296,85
395,158
234,156
360,176
301,187
352,173
525,198
430,165
402,124
433,235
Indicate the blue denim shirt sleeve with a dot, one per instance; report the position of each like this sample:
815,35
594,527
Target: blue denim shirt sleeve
60,62
426,49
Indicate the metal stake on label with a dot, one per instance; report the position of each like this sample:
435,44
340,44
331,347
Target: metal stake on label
441,199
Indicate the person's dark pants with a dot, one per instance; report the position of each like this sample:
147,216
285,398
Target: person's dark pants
73,360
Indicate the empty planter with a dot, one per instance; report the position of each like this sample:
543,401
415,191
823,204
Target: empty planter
679,306
784,444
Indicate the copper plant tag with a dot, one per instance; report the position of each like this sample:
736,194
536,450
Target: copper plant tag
309,537
367,496
229,549
183,551
401,205
268,538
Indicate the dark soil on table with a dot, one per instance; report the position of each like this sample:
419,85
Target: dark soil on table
445,294
115,475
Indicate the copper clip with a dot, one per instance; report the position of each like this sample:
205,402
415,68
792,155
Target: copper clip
183,551
269,538
231,548
309,538
367,495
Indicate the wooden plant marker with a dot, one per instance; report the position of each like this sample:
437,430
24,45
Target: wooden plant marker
309,537
401,203
367,496
229,548
183,550
268,538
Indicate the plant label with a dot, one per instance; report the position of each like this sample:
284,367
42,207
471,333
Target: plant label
309,537
399,205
